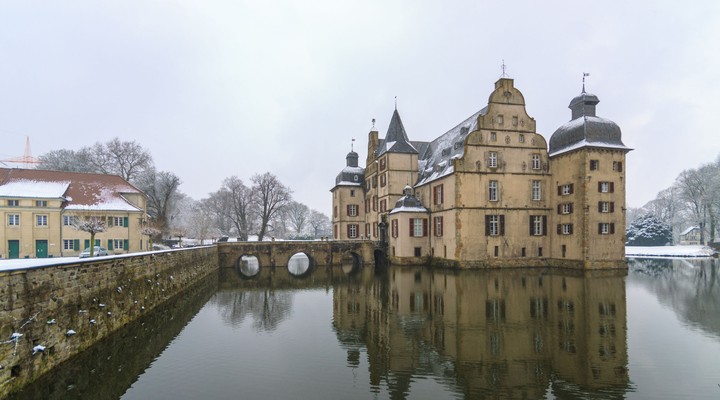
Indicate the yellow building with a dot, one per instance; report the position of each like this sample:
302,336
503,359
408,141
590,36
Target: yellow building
39,209
491,192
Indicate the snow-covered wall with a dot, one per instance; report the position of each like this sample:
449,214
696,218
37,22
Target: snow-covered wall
49,314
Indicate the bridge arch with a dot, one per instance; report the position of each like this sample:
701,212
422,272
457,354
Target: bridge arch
351,262
300,264
248,266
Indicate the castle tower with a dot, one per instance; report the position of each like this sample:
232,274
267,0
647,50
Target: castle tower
587,159
347,195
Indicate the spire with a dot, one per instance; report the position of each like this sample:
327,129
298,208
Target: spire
396,140
584,75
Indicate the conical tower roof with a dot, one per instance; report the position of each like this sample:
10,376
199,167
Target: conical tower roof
396,140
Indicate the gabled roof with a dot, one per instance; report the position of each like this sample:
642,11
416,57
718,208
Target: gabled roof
396,140
79,191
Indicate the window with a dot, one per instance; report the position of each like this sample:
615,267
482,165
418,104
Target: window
521,138
367,230
594,165
493,136
617,166
118,244
606,187
606,206
40,203
564,190
500,119
41,220
352,231
493,191
494,225
352,210
535,161
536,192
515,120
355,178
438,226
374,231
115,221
538,225
374,203
565,208
565,229
418,227
383,205
352,192
367,205
492,159
438,195
13,203
69,220
69,244
394,228
383,163
606,228
383,180
14,219
335,213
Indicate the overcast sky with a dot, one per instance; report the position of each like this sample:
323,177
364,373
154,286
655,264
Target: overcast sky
218,88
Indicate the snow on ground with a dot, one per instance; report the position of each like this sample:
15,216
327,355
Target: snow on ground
668,251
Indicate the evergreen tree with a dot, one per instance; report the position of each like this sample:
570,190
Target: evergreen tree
648,230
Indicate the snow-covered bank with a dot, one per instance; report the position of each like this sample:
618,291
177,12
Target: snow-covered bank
668,251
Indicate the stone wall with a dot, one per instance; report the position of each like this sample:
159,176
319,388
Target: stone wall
50,314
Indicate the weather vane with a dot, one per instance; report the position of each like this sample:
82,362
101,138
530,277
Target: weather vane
584,75
352,145
504,70
395,103
373,122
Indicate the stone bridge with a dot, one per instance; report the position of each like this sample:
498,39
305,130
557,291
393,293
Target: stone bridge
319,253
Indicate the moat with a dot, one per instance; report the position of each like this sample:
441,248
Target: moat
652,331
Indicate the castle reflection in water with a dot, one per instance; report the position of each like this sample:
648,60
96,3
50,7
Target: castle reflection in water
512,333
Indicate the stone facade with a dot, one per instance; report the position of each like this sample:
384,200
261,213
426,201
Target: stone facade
67,308
491,192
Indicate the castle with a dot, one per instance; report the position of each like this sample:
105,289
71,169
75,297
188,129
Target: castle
490,192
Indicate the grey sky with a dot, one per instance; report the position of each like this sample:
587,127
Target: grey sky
217,88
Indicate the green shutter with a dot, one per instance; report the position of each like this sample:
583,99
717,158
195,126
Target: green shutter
126,244
87,244
110,244
126,222
76,244
97,242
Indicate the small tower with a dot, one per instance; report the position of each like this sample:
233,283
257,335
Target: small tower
587,158
348,197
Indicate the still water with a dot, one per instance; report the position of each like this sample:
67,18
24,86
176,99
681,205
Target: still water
415,333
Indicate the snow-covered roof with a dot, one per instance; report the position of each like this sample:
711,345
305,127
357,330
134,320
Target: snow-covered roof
688,230
80,191
34,189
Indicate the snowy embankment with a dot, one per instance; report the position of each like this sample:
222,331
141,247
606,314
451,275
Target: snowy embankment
668,251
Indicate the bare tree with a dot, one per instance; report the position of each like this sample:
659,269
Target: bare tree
269,196
320,223
693,192
298,215
161,189
65,160
92,225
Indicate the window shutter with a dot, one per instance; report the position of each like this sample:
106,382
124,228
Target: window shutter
348,231
126,221
347,210
109,221
435,195
544,225
76,244
487,225
612,206
571,208
97,242
502,225
612,187
559,229
572,188
87,243
599,186
599,206
110,244
612,228
571,228
424,225
442,226
560,190
126,244
619,166
412,230
531,231
559,208
600,228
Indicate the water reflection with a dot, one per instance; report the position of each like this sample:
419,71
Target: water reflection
508,333
299,264
249,266
690,287
267,308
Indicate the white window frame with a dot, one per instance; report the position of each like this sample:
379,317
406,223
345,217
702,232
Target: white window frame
566,229
13,203
494,225
118,221
604,228
537,225
119,244
13,219
521,138
352,231
352,210
493,191
566,189
492,159
535,161
605,187
68,244
604,206
417,227
536,190
41,220
565,208
41,203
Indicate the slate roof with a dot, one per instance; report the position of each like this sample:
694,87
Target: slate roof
79,191
352,174
586,129
436,160
396,139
